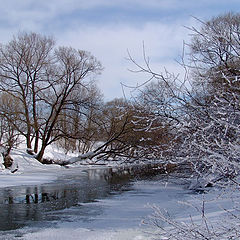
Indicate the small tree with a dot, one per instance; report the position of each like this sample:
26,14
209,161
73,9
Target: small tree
9,119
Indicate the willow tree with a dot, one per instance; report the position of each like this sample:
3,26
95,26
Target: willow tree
23,63
65,79
46,80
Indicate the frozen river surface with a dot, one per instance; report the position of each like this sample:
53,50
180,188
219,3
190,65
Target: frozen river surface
92,204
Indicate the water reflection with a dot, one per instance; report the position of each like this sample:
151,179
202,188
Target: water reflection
20,206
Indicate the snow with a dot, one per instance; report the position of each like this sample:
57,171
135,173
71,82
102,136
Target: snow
87,234
28,171
31,172
1,163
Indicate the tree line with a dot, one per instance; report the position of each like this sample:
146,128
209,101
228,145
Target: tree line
48,95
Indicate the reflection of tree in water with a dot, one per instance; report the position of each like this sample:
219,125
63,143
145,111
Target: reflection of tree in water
21,205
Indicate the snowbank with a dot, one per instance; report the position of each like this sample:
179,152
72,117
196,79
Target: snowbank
26,170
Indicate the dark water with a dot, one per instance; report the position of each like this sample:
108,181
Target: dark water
21,205
91,199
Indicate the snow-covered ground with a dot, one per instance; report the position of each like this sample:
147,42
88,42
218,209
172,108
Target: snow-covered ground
73,233
28,171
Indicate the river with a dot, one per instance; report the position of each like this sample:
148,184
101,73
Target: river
90,204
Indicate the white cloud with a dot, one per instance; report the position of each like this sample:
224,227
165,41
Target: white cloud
109,40
110,43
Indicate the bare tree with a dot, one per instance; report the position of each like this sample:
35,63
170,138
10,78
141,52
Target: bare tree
81,123
9,137
46,82
22,72
64,82
215,51
115,138
204,118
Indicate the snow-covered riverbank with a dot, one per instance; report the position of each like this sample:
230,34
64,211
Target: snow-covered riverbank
26,170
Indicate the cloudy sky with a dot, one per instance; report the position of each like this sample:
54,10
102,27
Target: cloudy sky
108,28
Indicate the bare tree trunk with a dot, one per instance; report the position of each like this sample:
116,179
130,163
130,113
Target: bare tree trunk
28,138
36,141
35,117
41,153
28,122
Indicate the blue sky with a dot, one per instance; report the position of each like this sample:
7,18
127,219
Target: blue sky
107,28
